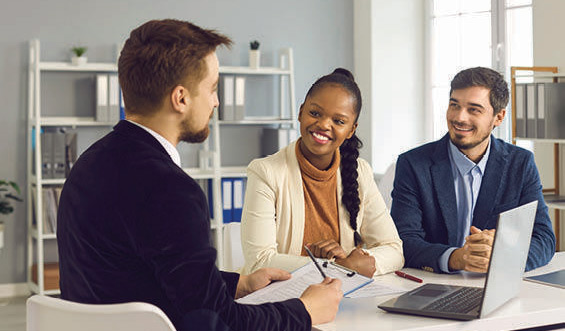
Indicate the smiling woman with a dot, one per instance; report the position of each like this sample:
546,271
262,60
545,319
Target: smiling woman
298,197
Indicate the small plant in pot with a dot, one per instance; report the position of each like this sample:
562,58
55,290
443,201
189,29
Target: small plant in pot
254,54
78,57
9,192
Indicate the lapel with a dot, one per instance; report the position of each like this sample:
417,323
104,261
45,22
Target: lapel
444,189
296,191
490,186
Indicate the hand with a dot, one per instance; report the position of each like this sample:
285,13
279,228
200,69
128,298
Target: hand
322,300
360,261
475,254
257,280
327,249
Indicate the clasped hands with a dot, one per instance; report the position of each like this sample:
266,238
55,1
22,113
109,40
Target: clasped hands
358,260
475,254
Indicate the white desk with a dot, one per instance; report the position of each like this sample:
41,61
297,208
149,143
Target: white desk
535,306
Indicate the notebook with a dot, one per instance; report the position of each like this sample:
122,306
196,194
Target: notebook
304,277
502,283
556,278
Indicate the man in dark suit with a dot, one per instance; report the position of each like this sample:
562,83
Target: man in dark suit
133,226
447,194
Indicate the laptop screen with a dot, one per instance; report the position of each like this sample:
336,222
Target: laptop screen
508,257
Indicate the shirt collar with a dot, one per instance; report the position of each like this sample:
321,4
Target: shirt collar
463,163
170,148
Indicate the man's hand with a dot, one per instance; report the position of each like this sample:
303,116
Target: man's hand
322,300
360,261
258,279
327,249
475,254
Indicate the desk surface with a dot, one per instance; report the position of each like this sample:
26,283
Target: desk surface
536,305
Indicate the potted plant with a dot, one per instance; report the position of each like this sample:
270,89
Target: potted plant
8,191
78,57
254,54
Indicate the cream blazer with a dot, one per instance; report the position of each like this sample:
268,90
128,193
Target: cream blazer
272,227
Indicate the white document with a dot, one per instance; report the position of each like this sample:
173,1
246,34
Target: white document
374,289
301,279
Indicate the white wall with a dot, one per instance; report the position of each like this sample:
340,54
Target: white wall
389,56
549,50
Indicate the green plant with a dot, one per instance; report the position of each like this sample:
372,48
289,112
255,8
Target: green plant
79,50
254,45
8,191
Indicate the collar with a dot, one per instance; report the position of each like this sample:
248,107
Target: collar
170,148
463,163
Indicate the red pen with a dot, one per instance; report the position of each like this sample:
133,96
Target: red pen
407,276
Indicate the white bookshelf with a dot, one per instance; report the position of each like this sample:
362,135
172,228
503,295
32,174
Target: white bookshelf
210,166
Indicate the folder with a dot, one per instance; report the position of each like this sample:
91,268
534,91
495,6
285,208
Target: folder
239,98
122,106
210,197
58,148
47,155
227,194
238,194
531,105
520,107
70,151
102,98
554,117
227,98
113,99
540,117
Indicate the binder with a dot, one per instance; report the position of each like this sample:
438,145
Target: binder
540,117
227,98
227,194
554,102
239,98
238,194
531,111
122,106
113,99
47,155
59,146
70,151
273,140
520,107
102,98
210,197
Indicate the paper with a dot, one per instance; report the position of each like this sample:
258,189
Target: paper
301,279
374,289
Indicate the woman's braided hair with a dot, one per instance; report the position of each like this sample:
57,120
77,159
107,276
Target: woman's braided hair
349,150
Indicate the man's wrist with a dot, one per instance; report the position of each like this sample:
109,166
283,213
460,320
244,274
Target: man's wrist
456,260
241,289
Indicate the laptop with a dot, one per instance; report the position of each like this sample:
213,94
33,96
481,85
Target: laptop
502,283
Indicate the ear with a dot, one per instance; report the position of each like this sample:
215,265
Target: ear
180,99
352,131
499,117
300,112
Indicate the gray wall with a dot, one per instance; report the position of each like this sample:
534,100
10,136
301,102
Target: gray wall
319,31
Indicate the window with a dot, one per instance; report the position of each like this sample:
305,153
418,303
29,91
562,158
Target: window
470,33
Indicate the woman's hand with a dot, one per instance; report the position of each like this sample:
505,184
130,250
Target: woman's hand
360,261
327,249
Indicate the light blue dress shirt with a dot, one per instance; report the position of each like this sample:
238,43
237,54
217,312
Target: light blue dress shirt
467,178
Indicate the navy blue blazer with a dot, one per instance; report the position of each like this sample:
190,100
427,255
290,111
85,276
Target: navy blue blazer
424,208
133,226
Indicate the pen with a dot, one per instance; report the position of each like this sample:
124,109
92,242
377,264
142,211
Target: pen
315,262
407,276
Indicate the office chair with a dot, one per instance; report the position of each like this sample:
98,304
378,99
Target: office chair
51,314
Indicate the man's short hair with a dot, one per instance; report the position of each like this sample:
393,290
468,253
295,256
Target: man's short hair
160,55
485,77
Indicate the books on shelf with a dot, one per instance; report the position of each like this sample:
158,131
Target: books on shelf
50,204
233,192
108,100
58,152
540,110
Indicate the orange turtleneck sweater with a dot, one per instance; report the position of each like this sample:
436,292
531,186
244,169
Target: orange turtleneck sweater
321,216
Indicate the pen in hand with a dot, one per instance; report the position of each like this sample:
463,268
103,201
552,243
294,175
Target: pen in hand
315,262
407,276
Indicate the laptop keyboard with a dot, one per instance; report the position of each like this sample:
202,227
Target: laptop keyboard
460,301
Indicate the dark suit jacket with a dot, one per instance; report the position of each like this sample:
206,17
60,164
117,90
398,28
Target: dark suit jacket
133,226
425,210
